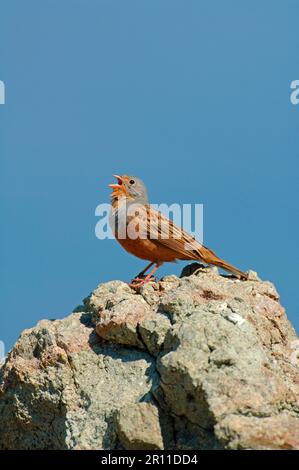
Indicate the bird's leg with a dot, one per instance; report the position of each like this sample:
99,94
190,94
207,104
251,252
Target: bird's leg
142,273
139,282
139,277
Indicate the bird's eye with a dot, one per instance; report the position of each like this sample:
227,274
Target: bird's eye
132,181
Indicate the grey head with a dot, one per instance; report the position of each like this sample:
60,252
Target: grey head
130,187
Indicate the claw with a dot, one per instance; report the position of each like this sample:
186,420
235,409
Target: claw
141,279
138,282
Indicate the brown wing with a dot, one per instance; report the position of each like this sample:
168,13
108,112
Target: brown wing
166,233
163,232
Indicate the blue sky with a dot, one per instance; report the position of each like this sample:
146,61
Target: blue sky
191,96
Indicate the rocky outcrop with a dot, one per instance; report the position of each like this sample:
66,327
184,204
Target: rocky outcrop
198,362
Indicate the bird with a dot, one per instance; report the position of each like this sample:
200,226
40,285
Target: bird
148,234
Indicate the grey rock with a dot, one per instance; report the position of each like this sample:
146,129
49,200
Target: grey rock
267,433
61,387
138,427
198,362
119,323
252,275
153,332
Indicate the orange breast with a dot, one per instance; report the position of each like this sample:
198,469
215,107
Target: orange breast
148,249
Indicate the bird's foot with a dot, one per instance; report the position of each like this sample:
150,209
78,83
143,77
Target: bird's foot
140,281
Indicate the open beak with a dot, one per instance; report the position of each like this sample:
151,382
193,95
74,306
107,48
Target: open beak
118,184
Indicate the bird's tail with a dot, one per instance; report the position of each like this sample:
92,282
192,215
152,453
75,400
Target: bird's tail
211,258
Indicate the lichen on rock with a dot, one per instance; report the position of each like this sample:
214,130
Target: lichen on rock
198,362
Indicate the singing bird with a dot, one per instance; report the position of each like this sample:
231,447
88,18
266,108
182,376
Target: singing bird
158,239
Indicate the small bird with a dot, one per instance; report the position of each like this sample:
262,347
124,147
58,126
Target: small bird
158,239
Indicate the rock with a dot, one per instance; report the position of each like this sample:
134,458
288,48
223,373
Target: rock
153,331
252,276
138,427
198,362
127,318
269,433
61,387
106,296
120,323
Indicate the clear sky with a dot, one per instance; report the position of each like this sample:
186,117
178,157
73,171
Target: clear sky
192,96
